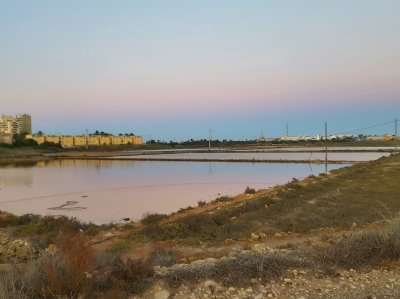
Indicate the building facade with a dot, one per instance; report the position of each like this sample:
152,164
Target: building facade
71,141
18,124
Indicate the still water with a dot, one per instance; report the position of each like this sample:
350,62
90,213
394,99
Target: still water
101,191
280,156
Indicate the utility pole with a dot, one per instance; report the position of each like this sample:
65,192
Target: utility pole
395,133
287,129
326,147
87,140
209,139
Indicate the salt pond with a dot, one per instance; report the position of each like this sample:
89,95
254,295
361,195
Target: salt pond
269,156
109,190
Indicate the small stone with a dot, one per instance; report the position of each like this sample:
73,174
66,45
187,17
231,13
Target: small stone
287,280
213,286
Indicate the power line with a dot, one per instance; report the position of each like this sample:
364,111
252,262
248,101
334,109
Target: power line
366,128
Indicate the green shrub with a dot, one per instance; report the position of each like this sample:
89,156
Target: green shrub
249,190
153,218
223,198
201,203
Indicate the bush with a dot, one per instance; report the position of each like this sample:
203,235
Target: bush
163,257
366,248
182,210
249,190
153,218
223,198
131,275
118,248
201,203
46,277
69,273
77,252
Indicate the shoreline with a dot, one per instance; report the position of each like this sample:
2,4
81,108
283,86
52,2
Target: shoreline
20,157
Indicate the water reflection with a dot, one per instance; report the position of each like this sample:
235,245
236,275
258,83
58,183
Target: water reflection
18,178
268,156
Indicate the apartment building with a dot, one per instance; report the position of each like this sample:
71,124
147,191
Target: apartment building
18,124
71,141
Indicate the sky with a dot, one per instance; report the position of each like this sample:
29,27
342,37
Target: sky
172,70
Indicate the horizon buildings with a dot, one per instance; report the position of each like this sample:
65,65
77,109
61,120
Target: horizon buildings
18,124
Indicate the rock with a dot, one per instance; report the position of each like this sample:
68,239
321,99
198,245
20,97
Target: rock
255,237
161,294
263,248
157,291
278,235
108,235
287,280
213,286
19,250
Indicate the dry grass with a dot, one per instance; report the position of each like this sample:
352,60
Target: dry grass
46,277
236,270
75,272
364,248
164,257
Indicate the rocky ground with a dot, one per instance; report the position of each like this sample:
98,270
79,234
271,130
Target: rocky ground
296,284
16,249
299,284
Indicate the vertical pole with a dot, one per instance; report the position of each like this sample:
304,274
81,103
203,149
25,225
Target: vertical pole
326,147
395,133
87,139
209,139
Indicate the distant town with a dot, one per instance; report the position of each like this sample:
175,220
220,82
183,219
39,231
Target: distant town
21,124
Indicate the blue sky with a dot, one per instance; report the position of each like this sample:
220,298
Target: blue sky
173,69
